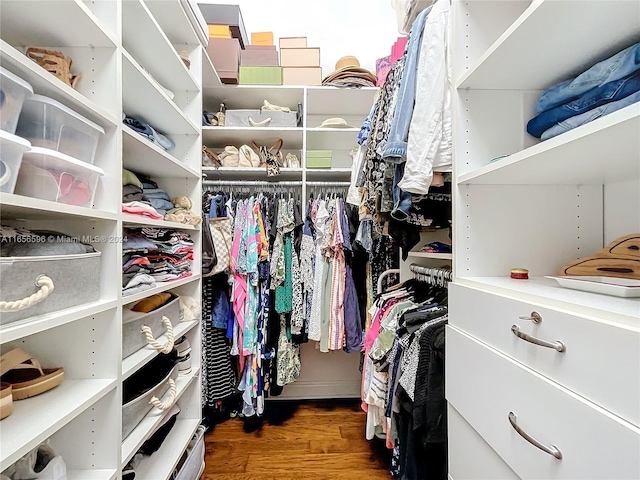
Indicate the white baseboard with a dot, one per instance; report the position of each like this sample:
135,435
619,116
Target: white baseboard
302,390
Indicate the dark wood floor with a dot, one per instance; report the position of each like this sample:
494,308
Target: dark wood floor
310,441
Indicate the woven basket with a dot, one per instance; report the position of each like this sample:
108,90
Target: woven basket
54,62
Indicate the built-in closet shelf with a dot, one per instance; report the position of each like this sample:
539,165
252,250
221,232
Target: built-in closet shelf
155,53
210,77
252,96
23,328
335,101
143,98
267,136
250,173
332,138
174,22
31,208
143,156
33,420
134,362
159,288
91,474
44,83
136,221
48,24
435,256
328,174
165,460
563,46
142,432
546,291
606,150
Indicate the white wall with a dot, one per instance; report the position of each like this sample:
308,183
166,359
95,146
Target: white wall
363,28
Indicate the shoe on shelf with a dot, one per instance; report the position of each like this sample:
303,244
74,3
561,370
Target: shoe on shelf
6,401
41,463
26,376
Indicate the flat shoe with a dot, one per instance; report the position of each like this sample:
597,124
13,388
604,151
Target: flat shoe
6,400
25,375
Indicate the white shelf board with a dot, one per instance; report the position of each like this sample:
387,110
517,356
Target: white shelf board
142,156
515,62
237,136
258,173
159,288
144,99
44,83
19,206
332,138
142,432
30,326
174,21
45,23
129,220
435,256
604,151
328,174
210,77
162,464
335,101
35,419
90,474
137,360
548,292
143,38
252,96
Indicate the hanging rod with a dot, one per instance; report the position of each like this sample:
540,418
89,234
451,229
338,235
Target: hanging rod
436,276
328,184
257,183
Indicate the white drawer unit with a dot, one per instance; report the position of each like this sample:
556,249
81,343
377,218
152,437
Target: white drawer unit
596,359
540,429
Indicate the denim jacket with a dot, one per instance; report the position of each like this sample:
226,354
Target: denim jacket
396,148
614,68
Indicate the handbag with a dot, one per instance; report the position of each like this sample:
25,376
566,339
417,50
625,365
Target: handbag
291,161
220,229
229,156
248,157
270,159
209,158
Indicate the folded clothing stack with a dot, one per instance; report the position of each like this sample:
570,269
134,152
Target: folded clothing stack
141,196
154,255
20,242
604,88
143,128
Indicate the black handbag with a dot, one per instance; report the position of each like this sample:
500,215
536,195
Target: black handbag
270,157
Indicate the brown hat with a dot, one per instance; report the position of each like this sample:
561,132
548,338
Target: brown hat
349,66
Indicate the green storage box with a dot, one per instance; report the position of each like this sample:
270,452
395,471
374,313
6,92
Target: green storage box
319,158
260,75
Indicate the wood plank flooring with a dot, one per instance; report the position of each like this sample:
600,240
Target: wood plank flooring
297,441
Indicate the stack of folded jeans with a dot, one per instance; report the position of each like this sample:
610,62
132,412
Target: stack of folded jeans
147,131
159,199
606,87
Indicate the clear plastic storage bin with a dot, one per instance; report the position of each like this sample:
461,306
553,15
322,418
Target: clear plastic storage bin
47,123
12,148
13,92
54,176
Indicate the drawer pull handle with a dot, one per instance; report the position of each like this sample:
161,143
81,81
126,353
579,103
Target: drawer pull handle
535,317
558,346
552,450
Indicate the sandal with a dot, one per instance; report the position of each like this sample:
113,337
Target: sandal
6,400
25,375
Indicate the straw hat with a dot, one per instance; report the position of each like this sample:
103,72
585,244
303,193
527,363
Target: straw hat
349,66
335,122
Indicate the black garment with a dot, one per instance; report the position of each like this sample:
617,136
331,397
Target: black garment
406,236
156,440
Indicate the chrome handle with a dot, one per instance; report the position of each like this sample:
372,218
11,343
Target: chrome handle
558,346
535,317
552,450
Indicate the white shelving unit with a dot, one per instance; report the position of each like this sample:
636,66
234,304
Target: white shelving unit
544,205
126,54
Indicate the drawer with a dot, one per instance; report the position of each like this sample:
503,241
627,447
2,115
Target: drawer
485,386
601,360
470,457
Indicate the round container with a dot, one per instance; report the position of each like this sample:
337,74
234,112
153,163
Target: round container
520,274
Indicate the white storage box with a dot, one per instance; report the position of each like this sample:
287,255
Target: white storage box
47,123
13,92
133,339
240,118
193,466
51,175
75,278
12,148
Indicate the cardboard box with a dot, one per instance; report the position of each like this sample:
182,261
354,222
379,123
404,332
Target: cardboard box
259,58
293,42
262,38
225,56
260,76
318,158
302,76
219,31
216,14
300,57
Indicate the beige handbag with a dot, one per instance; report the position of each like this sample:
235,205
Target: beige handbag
248,157
229,156
220,229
